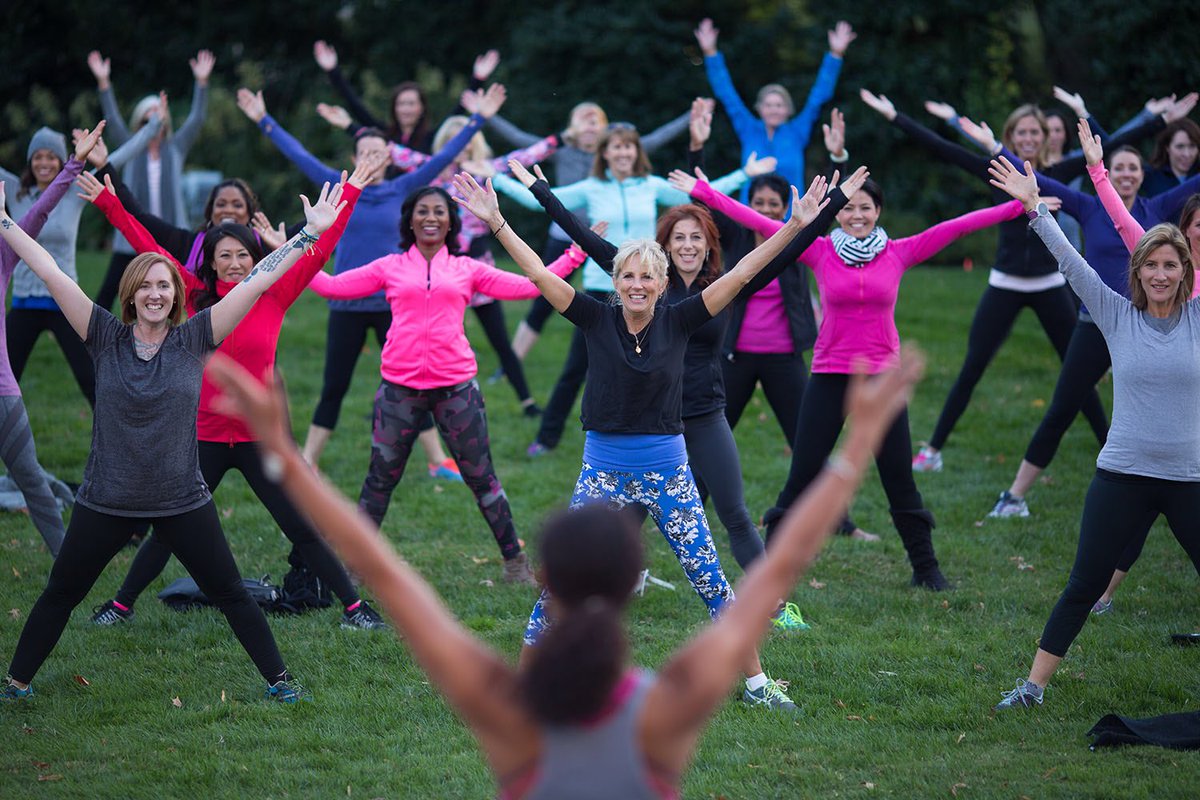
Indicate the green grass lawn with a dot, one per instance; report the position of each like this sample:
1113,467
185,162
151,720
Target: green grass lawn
896,685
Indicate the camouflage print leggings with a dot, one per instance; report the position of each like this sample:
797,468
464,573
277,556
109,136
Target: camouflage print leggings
669,494
459,415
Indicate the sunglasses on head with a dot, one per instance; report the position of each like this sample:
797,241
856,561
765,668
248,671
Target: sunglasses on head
622,126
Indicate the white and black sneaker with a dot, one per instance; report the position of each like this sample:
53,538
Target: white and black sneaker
1009,505
363,617
111,614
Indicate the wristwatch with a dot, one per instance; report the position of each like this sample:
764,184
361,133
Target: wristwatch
1040,210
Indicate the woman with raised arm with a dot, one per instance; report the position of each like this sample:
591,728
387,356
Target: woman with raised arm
144,461
689,236
623,192
858,271
572,162
580,721
17,448
634,451
1176,157
156,175
775,132
370,235
225,444
1087,359
34,310
1144,470
427,364
1024,274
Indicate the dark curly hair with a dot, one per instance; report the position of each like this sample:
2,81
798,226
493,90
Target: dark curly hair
408,237
237,183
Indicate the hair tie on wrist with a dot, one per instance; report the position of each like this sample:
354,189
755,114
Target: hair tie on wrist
497,231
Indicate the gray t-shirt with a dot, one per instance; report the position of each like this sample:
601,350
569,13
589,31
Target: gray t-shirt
144,460
1155,428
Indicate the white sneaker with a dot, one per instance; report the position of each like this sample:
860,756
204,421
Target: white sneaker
1009,505
927,460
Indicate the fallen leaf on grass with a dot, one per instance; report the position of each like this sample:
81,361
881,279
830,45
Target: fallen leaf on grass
980,668
1038,402
438,490
954,789
961,736
478,560
1049,772
816,584
50,777
222,695
82,681
15,613
945,604
839,703
868,785
16,574
227,512
486,582
1022,564
175,701
885,672
25,729
978,523
854,718
41,764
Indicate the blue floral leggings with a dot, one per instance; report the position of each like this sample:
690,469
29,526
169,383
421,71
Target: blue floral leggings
669,494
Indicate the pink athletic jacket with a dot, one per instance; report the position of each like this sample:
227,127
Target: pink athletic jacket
427,347
858,322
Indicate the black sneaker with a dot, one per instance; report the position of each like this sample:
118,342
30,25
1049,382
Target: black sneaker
363,617
109,614
931,579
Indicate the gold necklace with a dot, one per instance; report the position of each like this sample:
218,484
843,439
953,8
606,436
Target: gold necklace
637,341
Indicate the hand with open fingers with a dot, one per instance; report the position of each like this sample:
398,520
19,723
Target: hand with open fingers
480,201
89,187
1020,185
326,56
244,396
1053,204
252,104
978,132
336,116
1093,149
880,103
1071,100
600,228
541,176
202,66
682,181
700,123
756,166
519,172
101,68
85,140
485,64
943,111
706,36
164,107
320,216
272,238
855,182
835,134
1159,105
840,38
872,402
492,100
366,167
806,208
1181,107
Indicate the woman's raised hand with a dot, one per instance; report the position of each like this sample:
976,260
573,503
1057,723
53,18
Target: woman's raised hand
756,166
706,36
943,111
320,216
1178,109
86,140
492,100
101,68
202,66
878,102
520,173
366,167
806,208
854,183
1020,185
480,201
326,56
1093,149
700,122
485,64
873,401
90,188
272,238
840,38
1072,100
979,132
336,116
252,104
835,134
682,181
243,395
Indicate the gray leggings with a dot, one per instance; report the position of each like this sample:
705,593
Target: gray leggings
20,457
713,457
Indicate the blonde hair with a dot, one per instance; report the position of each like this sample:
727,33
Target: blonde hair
581,110
475,150
1010,124
776,88
131,280
1163,234
649,254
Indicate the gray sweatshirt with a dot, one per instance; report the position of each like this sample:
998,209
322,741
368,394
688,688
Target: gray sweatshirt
62,227
1156,373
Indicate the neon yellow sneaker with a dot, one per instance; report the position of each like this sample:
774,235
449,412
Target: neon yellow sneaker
788,619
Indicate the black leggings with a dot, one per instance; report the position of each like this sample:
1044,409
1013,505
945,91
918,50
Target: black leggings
23,328
217,458
822,415
994,318
347,332
540,309
1085,363
713,457
570,381
783,377
1117,506
112,279
491,318
94,538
